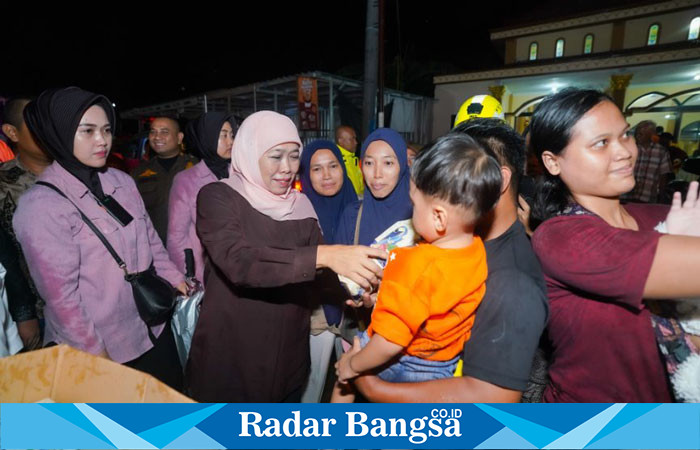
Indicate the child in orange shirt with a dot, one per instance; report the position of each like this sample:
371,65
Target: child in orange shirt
426,303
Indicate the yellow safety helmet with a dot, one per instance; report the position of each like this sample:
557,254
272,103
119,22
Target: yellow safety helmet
479,106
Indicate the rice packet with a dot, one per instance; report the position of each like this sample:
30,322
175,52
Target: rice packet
400,234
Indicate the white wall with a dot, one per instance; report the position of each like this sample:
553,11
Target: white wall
573,42
673,28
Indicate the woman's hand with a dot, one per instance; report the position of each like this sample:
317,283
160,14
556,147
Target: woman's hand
684,217
352,261
524,214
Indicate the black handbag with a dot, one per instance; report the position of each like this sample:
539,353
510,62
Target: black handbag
154,296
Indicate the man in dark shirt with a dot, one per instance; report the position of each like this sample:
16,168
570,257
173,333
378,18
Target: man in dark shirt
652,168
677,155
155,176
498,356
16,176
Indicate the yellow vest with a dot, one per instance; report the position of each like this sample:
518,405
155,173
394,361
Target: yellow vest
352,165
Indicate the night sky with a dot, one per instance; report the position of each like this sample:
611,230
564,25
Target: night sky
139,57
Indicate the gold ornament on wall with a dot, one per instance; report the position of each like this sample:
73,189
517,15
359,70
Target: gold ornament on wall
497,92
620,82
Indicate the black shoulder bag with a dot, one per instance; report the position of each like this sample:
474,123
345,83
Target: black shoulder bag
154,296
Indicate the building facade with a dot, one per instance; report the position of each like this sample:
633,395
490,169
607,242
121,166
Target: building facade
646,57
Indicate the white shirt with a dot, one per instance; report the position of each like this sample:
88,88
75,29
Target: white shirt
10,342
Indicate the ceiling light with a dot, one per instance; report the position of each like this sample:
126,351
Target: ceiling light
696,77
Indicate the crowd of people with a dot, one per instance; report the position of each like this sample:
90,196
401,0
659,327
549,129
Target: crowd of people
561,293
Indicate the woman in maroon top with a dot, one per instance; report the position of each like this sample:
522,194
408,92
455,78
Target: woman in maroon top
602,259
264,248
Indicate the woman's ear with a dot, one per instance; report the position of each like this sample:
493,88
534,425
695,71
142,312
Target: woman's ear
551,162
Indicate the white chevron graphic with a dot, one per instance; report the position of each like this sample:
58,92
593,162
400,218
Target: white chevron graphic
580,436
117,434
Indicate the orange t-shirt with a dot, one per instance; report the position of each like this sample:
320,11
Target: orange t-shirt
6,153
428,297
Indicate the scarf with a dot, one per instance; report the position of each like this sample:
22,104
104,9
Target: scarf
328,209
203,133
258,133
53,120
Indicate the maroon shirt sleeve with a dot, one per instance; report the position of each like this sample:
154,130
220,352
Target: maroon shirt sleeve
585,253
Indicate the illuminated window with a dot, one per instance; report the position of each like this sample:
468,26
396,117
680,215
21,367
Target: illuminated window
694,31
533,51
653,35
559,49
588,44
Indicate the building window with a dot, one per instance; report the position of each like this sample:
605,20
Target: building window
694,31
559,48
533,51
588,44
653,35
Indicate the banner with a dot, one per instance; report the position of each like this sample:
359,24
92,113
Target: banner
445,426
307,94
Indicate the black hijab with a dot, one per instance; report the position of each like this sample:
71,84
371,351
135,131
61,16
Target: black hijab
53,120
203,134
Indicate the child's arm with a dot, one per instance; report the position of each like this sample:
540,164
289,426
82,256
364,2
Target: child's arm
377,352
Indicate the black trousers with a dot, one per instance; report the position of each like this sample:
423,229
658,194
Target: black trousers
162,360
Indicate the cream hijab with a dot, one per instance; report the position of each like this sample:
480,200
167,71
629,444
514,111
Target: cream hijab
258,133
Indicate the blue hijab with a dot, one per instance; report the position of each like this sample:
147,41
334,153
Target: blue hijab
328,209
379,214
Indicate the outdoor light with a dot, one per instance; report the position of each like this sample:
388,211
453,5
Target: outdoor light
696,77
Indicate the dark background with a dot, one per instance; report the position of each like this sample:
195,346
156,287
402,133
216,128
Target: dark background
138,57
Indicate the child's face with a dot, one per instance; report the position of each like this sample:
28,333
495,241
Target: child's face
423,217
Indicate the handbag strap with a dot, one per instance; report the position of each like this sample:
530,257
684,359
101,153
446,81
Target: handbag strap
93,227
356,240
361,323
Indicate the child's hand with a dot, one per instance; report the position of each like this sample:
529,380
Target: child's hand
367,300
343,368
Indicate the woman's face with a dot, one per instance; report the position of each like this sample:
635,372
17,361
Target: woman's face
599,159
225,141
93,138
278,166
326,173
380,167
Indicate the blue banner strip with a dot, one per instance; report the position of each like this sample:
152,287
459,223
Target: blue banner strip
443,426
